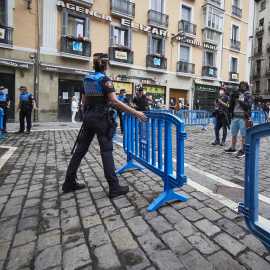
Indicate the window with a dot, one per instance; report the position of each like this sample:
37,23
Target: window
2,11
212,18
157,5
186,11
236,3
261,22
156,45
259,45
263,5
184,53
234,64
257,85
211,35
235,32
120,36
208,58
74,25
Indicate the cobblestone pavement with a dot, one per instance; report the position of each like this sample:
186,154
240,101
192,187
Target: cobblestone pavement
42,228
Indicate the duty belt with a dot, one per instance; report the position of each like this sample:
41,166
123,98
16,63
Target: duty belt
95,109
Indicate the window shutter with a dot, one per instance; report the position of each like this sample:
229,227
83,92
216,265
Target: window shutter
129,43
204,58
64,22
149,42
111,35
213,58
163,46
87,27
6,12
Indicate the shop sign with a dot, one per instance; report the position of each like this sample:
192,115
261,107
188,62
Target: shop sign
70,70
83,10
121,55
144,28
15,64
122,85
155,89
206,88
197,43
157,61
77,46
2,33
234,76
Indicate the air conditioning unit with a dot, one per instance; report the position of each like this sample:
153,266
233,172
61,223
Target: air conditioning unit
259,29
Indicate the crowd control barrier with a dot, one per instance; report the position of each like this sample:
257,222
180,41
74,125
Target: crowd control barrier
152,148
250,206
194,118
1,122
115,118
257,117
162,111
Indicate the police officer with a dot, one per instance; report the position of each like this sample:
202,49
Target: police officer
98,93
4,104
122,97
26,104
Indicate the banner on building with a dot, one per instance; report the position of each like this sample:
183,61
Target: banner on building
77,46
2,33
155,89
121,55
122,85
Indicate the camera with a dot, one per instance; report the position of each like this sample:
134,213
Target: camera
235,94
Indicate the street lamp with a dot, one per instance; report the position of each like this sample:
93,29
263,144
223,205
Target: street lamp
181,34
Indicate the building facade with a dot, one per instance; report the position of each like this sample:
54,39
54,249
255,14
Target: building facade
260,72
181,50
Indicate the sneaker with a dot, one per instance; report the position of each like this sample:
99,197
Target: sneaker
230,151
222,143
240,153
215,143
117,192
71,186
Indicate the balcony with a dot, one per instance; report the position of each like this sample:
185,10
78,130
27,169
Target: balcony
217,2
209,71
235,44
258,50
257,72
123,8
6,35
188,28
159,63
233,76
268,47
236,11
185,67
74,48
158,19
259,30
118,55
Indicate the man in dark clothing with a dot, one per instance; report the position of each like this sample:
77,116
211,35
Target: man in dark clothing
4,104
222,103
140,101
197,105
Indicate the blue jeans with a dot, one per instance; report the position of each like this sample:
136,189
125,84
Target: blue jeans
224,127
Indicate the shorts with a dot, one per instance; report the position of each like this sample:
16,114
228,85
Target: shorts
236,124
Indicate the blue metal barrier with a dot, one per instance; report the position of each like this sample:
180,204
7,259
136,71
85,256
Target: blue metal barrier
250,207
257,117
145,146
115,118
1,122
194,118
162,111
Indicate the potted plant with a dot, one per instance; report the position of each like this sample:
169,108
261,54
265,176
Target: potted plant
157,55
121,48
78,38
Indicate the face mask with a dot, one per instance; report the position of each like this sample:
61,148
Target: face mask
221,92
242,89
21,92
124,94
144,92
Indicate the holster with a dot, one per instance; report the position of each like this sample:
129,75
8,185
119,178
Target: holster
112,125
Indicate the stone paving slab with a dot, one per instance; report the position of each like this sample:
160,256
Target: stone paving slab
42,228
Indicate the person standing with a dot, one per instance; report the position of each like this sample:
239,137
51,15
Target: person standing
25,105
186,106
122,97
240,107
74,108
181,105
197,105
97,95
141,100
172,105
222,104
4,104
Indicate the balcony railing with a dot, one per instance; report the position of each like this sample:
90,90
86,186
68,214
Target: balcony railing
6,35
123,8
257,72
209,71
158,19
237,11
233,76
187,27
235,44
120,56
259,30
156,62
80,48
185,67
258,49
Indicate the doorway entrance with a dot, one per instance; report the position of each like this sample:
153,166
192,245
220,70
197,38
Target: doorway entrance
8,81
66,90
176,95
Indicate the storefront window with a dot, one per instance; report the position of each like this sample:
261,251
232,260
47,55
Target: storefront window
2,11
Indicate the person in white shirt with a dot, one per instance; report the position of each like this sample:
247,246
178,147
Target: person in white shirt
74,108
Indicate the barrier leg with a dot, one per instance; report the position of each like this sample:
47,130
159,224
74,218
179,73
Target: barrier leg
1,136
204,128
165,196
129,165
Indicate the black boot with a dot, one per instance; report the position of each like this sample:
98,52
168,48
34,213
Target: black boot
72,185
121,190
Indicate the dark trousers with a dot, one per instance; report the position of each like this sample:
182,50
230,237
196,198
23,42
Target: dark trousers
119,112
5,116
220,122
93,124
25,114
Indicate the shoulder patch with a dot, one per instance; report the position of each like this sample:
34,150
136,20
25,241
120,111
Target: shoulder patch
109,84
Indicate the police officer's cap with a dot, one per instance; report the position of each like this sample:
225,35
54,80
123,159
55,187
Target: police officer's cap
23,88
123,90
2,87
102,56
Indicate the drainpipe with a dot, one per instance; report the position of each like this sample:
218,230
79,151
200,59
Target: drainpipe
36,83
